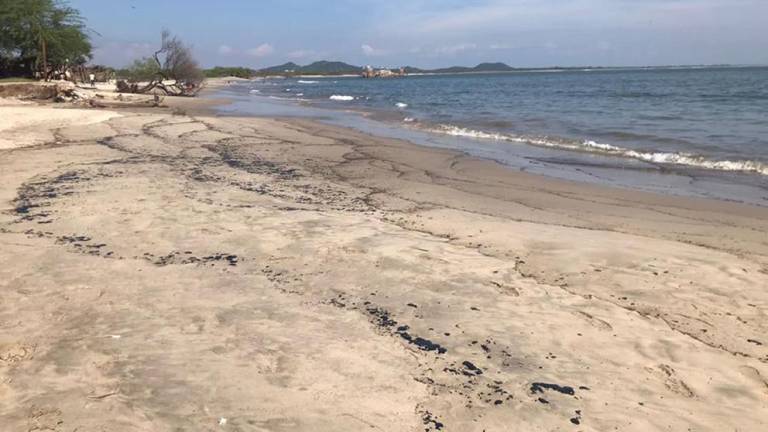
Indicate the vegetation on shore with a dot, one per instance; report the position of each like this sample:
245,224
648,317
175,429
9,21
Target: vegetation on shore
220,72
338,68
171,70
15,80
41,37
49,39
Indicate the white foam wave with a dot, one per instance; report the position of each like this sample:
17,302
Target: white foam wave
342,98
254,91
308,82
409,120
685,159
401,105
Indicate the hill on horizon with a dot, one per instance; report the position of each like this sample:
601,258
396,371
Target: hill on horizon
340,68
319,67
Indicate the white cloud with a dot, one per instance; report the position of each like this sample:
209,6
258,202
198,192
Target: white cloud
540,32
426,17
262,50
226,50
372,52
456,49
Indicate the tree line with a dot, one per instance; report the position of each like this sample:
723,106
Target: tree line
40,37
48,38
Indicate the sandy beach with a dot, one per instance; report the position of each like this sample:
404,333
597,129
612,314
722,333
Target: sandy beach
167,269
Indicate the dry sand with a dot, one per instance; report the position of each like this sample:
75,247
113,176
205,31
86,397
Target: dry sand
24,125
165,272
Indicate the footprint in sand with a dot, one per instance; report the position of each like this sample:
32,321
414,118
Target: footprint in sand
44,419
15,353
672,381
754,375
595,322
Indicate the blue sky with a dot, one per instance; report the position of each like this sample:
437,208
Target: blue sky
431,33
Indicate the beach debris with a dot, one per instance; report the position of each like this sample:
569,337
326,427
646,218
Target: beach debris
470,369
104,395
177,257
539,387
577,419
431,421
383,319
222,421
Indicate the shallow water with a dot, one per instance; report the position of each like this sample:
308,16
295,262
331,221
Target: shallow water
701,132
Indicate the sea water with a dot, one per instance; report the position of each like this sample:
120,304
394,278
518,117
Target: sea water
692,131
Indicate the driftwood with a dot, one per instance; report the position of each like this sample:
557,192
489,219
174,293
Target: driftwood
118,104
159,87
177,72
124,86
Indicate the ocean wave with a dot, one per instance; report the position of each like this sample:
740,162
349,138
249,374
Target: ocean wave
684,159
254,91
308,82
401,105
290,99
342,98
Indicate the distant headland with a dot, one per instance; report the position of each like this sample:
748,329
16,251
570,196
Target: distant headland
337,68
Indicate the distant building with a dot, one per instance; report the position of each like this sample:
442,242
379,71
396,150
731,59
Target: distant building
370,72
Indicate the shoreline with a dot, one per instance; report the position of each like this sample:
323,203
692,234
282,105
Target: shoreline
486,163
171,269
487,173
592,163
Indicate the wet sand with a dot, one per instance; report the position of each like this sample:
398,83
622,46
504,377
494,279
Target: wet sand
167,269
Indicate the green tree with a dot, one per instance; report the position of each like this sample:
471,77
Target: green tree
239,72
143,70
172,70
44,35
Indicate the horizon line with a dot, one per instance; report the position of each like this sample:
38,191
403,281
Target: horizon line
515,67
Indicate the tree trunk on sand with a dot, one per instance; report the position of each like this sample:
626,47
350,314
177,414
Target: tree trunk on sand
44,53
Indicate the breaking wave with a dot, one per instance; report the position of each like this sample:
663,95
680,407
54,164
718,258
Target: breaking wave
685,159
401,105
342,98
308,82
